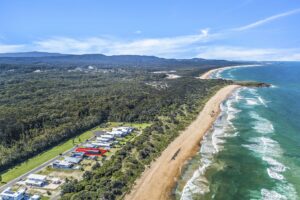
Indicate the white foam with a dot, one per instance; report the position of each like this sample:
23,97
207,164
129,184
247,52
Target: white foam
262,101
251,101
217,73
211,144
276,165
282,191
252,91
274,86
264,146
262,125
271,195
274,175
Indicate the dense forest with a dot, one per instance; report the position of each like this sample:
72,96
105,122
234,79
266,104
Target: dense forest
176,106
43,104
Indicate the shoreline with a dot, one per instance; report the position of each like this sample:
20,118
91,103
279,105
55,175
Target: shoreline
157,181
207,75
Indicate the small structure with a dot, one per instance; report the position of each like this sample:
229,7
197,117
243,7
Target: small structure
77,154
35,197
36,180
89,145
124,129
99,133
101,139
56,181
92,151
108,136
103,144
117,133
62,164
8,194
74,160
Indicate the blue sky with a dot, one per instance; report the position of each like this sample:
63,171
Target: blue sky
223,29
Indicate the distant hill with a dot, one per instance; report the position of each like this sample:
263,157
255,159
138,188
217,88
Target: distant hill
30,54
103,61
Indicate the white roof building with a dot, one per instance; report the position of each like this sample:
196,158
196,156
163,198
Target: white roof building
123,129
62,164
117,133
35,197
108,136
37,177
102,144
8,194
74,160
100,139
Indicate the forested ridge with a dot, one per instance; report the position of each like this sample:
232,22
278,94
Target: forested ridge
42,105
184,99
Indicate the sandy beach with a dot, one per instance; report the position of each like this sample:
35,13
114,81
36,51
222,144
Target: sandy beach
207,74
157,181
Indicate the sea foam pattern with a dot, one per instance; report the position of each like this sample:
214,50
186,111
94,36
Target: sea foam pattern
260,136
212,143
269,151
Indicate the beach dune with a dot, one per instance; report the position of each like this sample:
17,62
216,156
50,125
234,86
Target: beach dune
156,182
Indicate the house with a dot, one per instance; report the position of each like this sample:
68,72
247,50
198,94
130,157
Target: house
35,197
117,133
78,154
8,194
56,181
74,160
89,145
111,137
62,164
124,129
99,133
36,180
100,139
103,144
92,151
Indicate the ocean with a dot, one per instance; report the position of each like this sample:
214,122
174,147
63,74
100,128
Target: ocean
253,149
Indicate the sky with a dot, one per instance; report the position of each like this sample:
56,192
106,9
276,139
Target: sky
212,29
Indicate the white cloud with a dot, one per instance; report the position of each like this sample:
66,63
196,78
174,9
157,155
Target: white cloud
167,47
72,46
186,46
266,20
242,53
6,48
138,32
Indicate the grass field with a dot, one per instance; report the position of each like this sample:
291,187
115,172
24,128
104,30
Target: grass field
45,156
55,151
139,126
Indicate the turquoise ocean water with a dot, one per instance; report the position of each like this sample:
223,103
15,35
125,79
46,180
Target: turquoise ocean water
253,149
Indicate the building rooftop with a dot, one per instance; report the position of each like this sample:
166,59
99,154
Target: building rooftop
9,193
99,133
63,163
35,197
34,182
37,177
73,159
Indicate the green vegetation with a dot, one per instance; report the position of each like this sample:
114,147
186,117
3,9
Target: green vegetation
117,175
139,126
252,84
41,112
45,156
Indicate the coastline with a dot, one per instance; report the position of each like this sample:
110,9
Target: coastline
151,185
207,75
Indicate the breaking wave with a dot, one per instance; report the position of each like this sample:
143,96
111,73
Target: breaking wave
212,143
